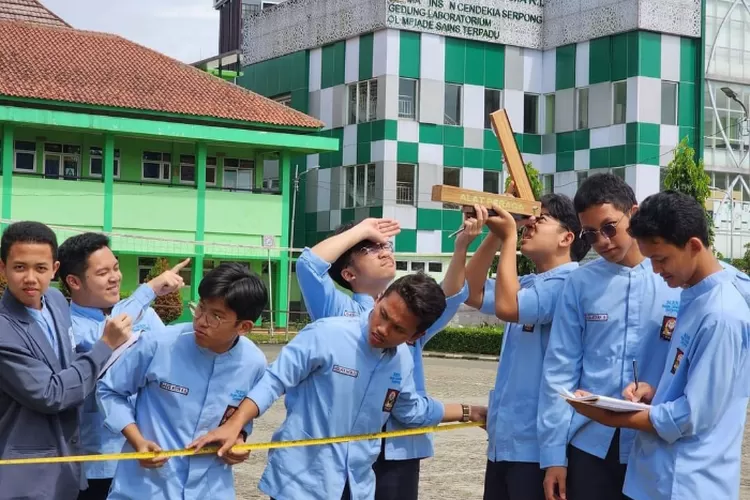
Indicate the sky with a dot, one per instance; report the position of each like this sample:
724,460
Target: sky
187,30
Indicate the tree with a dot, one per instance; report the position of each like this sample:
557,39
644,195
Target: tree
168,307
688,177
524,265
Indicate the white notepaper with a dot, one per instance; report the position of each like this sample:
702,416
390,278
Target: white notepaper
117,353
605,402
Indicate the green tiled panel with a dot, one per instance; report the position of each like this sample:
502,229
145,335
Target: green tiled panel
300,99
617,156
688,132
430,134
645,133
365,56
324,159
492,160
347,215
363,153
474,74
619,57
453,156
649,54
455,60
339,63
333,60
688,60
473,158
490,140
300,70
686,105
565,67
600,53
452,219
647,154
566,141
631,153
633,53
565,162
448,244
453,136
406,240
407,152
494,66
364,132
337,157
429,219
582,139
311,238
532,144
409,49
599,158
383,130
311,221
376,212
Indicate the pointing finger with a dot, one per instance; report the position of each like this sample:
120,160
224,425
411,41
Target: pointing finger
179,267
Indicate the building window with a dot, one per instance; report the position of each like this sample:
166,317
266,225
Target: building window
491,182
285,99
619,101
452,115
435,267
156,166
96,162
238,174
549,114
530,114
417,266
402,265
187,169
360,186
582,108
25,156
619,172
407,98
144,267
669,103
363,101
493,100
61,158
451,177
582,175
548,183
406,183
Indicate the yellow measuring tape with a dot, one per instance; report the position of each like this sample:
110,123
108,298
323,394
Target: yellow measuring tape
243,447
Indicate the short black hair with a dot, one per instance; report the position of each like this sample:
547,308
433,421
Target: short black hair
561,208
423,296
27,232
241,290
599,189
672,216
74,253
346,258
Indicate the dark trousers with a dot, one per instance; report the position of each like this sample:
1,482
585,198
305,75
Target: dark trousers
396,479
347,495
513,481
591,478
98,490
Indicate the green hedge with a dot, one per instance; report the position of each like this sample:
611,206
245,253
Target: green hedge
473,339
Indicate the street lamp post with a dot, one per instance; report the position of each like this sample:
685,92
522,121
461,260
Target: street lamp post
733,96
297,176
728,195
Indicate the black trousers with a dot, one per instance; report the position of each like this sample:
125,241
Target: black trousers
591,478
396,479
98,490
347,495
513,481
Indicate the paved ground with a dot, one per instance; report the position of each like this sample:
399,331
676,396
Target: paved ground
458,464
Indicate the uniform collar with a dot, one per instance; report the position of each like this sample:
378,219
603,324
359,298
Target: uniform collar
568,266
363,299
644,266
211,354
705,285
35,313
86,312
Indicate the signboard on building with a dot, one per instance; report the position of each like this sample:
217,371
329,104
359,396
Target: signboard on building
498,21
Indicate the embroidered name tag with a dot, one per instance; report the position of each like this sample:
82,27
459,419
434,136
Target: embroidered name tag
390,400
342,370
597,317
667,327
350,314
174,388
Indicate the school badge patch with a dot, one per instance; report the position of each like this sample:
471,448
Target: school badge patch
677,359
667,327
527,328
390,400
227,414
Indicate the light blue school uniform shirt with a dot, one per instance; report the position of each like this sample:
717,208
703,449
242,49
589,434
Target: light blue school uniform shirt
512,412
340,386
607,316
46,322
88,327
701,401
324,300
183,391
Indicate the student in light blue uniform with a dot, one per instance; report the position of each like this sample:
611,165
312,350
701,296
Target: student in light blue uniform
348,383
552,243
91,273
689,444
612,311
186,384
359,258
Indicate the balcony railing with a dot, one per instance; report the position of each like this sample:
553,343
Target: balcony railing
406,107
405,193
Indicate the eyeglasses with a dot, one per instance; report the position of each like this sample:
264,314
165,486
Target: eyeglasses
377,248
542,219
609,231
197,311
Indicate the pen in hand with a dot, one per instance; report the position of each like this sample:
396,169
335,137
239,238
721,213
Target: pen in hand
635,374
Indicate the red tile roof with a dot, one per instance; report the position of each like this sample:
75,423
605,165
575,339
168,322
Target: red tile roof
63,64
29,11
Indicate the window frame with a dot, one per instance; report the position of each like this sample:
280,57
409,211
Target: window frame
676,101
459,98
100,156
615,85
579,92
211,164
551,97
487,120
536,118
368,201
237,169
31,152
415,114
413,186
371,115
484,181
161,162
67,151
